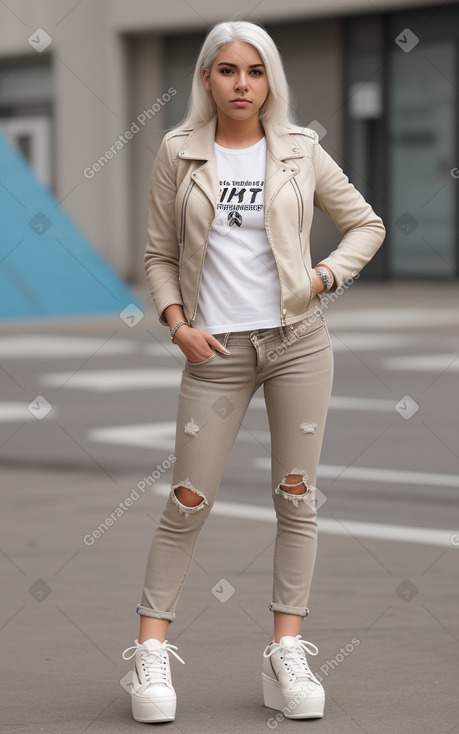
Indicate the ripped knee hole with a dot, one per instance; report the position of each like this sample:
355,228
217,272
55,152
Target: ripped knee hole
294,484
294,487
187,498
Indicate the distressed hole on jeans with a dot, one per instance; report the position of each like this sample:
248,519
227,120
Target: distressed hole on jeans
191,428
308,427
301,487
190,495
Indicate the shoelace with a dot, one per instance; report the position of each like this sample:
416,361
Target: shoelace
295,657
155,661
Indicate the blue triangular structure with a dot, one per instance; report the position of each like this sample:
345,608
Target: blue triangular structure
47,267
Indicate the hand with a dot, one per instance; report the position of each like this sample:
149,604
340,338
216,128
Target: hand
196,344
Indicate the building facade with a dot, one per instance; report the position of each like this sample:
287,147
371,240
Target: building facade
87,91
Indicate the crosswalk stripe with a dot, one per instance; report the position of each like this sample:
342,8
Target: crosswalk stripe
329,526
369,474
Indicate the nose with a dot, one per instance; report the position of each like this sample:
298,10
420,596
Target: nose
241,82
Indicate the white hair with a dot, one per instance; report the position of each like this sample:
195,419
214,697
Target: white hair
277,108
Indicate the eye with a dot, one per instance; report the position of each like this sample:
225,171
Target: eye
257,72
226,71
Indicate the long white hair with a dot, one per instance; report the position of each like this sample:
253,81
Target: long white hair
277,108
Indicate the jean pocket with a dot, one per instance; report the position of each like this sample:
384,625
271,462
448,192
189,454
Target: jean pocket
303,331
201,364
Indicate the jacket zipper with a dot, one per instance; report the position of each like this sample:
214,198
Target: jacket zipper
300,229
193,316
283,310
300,203
183,212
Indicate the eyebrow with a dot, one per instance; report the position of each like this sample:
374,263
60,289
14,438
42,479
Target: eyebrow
226,63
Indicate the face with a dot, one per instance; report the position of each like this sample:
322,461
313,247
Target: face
237,80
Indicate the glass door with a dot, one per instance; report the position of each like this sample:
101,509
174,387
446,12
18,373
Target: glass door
421,220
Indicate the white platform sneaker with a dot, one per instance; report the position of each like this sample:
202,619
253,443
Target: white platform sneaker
152,694
288,683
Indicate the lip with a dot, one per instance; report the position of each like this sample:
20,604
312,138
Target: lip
240,102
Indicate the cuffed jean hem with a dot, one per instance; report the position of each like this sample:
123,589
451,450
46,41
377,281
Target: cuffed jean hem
147,612
300,611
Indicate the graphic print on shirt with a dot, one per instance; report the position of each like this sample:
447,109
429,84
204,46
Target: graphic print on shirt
240,196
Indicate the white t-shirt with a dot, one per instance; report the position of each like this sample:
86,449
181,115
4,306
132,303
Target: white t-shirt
240,287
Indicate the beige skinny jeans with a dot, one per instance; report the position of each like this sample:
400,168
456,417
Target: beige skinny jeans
295,366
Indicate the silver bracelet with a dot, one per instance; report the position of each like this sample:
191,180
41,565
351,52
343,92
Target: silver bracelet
325,277
176,327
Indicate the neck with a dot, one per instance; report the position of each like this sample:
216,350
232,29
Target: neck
232,133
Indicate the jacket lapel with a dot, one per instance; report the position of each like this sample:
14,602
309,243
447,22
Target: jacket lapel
280,167
199,146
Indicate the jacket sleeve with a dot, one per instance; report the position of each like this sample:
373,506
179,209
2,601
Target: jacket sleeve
363,231
162,255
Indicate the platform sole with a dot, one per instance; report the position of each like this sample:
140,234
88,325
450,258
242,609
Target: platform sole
150,712
295,706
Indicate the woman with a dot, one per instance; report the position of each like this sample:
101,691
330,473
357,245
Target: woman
229,268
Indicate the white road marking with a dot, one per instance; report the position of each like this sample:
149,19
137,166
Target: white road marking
62,347
344,402
164,349
113,380
390,318
368,474
330,526
346,341
18,413
424,363
162,436
143,435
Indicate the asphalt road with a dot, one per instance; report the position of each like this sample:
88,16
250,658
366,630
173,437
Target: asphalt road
87,411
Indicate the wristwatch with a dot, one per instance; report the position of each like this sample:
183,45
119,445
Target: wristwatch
325,277
176,327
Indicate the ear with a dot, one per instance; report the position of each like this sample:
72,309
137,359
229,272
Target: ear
205,76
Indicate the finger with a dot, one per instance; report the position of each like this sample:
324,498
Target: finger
215,344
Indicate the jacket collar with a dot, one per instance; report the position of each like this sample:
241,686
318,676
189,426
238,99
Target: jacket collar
199,145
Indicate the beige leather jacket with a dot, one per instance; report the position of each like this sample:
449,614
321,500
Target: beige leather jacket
184,192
